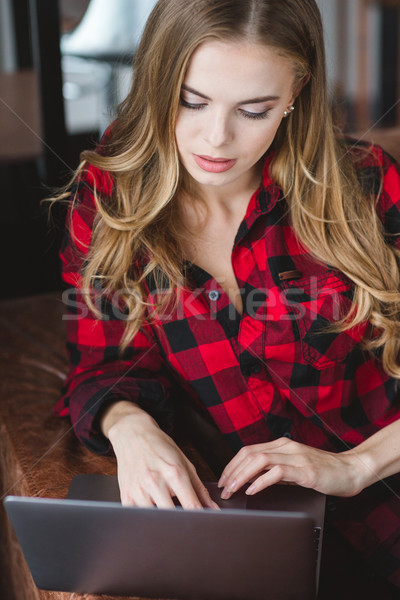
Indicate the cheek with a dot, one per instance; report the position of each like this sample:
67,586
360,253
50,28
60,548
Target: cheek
184,129
259,142
179,131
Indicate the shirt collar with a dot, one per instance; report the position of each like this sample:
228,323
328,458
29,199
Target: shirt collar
266,196
263,200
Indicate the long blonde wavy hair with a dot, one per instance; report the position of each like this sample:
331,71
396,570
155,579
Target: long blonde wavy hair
138,232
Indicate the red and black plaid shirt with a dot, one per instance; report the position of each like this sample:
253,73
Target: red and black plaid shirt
268,373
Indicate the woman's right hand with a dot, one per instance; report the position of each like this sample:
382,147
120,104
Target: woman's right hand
151,467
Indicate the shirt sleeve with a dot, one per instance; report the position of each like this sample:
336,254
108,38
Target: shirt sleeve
98,375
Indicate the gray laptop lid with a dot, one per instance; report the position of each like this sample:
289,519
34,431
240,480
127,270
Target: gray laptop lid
96,546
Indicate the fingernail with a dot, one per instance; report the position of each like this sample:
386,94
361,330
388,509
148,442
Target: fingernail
222,480
225,494
251,490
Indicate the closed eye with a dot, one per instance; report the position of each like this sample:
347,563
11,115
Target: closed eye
255,116
245,113
191,105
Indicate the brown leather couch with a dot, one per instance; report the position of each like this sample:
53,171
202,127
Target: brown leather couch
39,454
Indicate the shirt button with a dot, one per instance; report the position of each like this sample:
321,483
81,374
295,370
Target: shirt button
213,295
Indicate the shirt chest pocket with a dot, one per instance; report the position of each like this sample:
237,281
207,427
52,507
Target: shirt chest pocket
314,303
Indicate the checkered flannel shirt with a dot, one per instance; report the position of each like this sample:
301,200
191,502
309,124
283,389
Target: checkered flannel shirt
269,373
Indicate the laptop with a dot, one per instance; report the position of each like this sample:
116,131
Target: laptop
260,547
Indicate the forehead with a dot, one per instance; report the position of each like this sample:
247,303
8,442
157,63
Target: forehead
229,68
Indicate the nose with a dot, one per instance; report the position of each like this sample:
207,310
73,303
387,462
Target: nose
218,130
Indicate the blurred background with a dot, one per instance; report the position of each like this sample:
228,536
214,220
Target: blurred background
64,67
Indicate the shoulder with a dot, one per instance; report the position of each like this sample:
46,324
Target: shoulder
92,184
379,175
367,157
92,177
377,171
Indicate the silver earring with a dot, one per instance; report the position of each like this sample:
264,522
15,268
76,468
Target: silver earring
287,112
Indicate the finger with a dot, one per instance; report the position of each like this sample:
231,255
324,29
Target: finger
137,498
126,499
189,489
188,498
279,443
162,497
244,453
203,494
181,486
250,468
277,474
236,462
161,488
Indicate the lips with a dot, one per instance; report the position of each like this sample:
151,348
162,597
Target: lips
212,159
214,165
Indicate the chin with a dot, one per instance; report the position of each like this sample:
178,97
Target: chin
212,179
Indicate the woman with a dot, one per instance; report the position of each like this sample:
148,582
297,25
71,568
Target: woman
226,249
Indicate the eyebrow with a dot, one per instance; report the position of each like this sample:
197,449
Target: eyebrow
250,101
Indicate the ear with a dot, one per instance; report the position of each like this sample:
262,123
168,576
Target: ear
300,85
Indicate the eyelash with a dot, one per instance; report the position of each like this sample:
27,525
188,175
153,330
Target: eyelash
244,113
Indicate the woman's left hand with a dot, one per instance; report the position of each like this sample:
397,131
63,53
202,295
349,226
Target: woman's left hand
284,460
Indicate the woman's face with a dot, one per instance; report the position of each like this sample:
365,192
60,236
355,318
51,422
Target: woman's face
232,103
